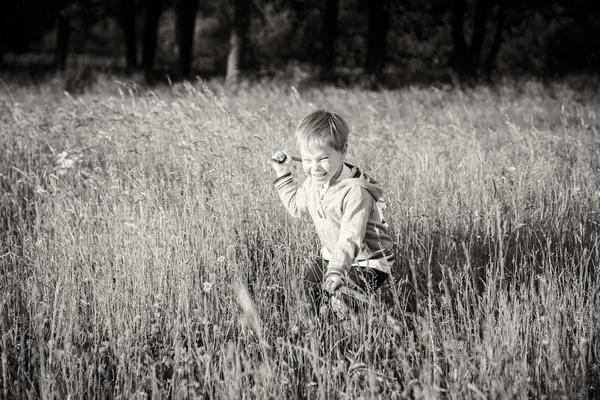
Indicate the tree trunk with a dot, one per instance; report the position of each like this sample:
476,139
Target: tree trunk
128,14
330,18
239,35
495,47
150,32
467,56
186,21
477,38
377,39
458,38
301,9
63,33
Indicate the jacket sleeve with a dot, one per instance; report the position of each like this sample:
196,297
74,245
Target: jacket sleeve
356,208
292,196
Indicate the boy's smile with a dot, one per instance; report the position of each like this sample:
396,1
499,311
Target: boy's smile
322,163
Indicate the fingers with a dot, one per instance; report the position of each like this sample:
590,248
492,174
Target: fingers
281,159
332,283
336,283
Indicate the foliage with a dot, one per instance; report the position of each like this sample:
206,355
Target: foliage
555,37
129,217
24,22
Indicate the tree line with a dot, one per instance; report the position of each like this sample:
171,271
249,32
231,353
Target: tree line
465,36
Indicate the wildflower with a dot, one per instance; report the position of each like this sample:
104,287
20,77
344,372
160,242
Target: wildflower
64,163
207,287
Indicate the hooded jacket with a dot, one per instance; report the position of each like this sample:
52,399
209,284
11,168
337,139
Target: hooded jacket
348,219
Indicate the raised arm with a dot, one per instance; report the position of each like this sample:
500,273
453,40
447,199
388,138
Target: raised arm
292,196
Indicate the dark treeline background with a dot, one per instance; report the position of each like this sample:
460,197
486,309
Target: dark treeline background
380,40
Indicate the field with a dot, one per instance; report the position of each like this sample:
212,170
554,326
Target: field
144,252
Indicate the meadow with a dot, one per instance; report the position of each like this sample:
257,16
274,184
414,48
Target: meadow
144,252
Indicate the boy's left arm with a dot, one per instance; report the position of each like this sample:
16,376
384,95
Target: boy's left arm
355,214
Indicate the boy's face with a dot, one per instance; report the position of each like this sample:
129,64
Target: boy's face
321,162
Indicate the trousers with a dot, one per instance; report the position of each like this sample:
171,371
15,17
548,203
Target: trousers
367,280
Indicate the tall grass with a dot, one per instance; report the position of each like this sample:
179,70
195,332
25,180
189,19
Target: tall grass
130,218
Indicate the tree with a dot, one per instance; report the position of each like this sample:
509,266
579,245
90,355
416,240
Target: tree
467,56
150,31
128,22
24,22
238,39
490,60
330,18
186,21
7,12
63,33
377,37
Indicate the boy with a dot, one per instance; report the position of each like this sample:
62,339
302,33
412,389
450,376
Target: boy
343,204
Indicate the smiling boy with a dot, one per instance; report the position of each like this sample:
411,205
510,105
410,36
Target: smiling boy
344,205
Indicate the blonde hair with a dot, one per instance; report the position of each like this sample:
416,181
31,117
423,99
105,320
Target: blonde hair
322,127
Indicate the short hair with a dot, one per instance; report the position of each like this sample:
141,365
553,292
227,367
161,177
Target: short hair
322,127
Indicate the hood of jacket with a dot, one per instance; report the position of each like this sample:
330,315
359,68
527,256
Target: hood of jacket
357,176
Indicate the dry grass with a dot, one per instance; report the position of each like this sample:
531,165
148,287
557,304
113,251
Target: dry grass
129,218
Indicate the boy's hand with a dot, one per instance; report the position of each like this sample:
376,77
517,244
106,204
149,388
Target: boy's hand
332,282
281,162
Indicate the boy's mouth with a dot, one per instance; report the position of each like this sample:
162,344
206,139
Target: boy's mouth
320,176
